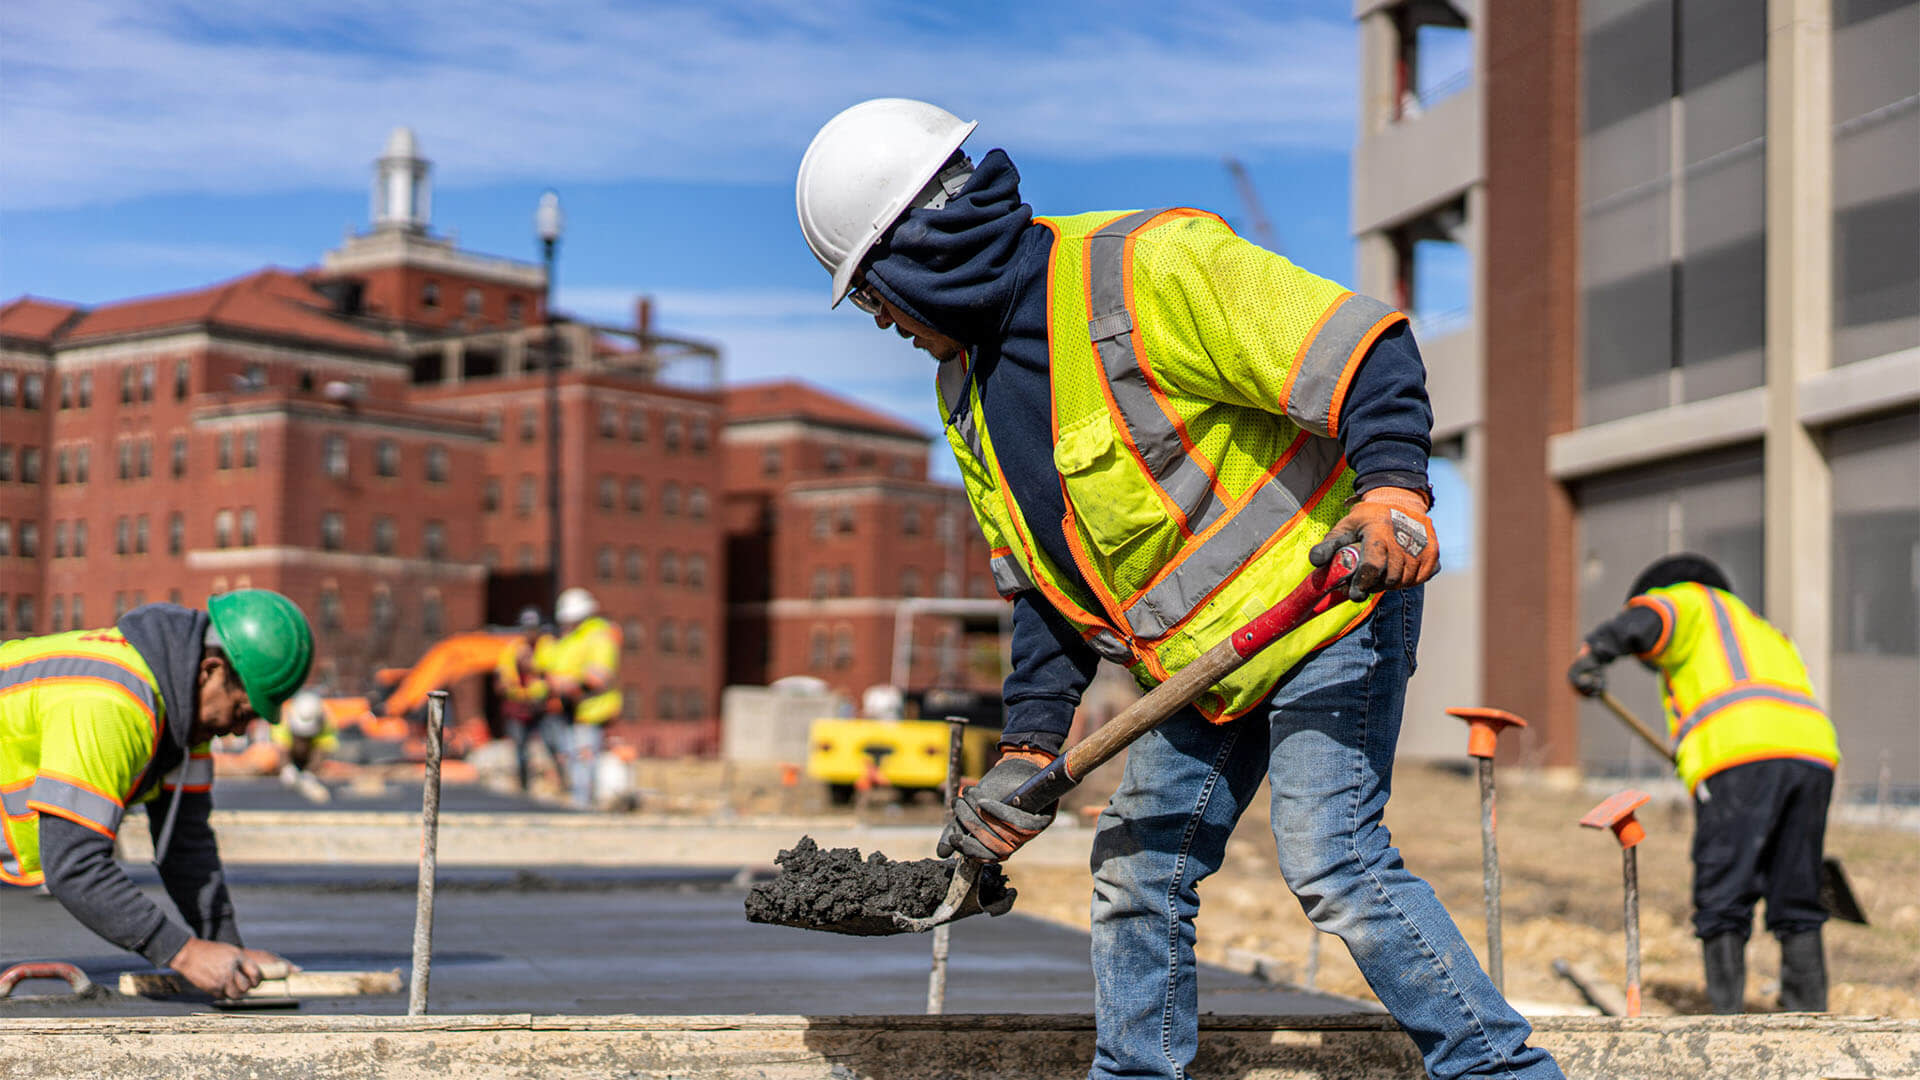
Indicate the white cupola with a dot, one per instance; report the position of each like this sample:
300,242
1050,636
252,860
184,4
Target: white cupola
402,196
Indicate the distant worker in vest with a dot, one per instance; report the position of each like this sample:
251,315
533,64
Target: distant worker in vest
1162,429
304,738
1756,751
524,694
95,721
582,674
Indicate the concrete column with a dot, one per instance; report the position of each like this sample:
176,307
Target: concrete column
1379,52
1374,265
453,364
515,360
1799,511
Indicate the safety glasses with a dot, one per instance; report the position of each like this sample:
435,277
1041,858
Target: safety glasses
865,299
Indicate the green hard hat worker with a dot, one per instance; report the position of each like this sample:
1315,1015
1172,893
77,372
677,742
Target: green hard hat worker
123,715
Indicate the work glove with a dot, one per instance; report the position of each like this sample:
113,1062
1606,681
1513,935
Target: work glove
986,828
1398,549
1588,674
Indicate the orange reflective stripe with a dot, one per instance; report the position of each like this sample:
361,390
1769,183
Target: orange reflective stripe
1664,608
1293,372
1359,353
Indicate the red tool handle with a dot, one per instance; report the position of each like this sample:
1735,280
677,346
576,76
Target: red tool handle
1315,596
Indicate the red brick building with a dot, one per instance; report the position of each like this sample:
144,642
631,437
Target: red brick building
844,561
369,437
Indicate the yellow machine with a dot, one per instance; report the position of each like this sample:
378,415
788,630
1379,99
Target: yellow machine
910,755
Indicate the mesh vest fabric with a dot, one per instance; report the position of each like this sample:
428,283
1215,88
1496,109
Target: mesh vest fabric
1734,688
1196,385
594,643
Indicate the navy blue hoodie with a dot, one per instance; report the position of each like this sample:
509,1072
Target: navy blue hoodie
976,270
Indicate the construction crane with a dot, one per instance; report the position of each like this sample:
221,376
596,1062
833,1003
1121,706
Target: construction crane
1257,222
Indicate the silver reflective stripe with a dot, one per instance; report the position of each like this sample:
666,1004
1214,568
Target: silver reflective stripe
15,802
1222,555
1736,655
1106,644
193,772
1706,709
951,379
1147,425
82,667
8,864
1310,402
77,801
1008,576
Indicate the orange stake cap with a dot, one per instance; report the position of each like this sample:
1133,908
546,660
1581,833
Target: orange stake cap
1484,727
1616,813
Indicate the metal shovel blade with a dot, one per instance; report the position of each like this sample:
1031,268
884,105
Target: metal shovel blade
839,893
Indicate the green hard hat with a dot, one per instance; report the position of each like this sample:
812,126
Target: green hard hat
269,643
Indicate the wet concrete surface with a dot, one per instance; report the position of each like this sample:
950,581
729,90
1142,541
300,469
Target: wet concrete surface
601,941
267,793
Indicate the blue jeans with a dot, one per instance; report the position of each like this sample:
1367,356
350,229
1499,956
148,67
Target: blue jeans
585,750
1325,741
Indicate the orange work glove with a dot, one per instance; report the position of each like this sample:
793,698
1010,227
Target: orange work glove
1398,548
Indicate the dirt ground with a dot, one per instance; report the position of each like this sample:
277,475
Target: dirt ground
1562,898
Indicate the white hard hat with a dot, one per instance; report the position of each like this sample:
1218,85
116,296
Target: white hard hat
574,605
306,715
867,167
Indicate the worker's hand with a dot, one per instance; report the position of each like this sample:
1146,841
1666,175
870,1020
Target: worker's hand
1398,548
563,686
225,971
986,828
271,965
1588,673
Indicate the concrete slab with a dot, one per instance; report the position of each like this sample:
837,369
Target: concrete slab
602,941
250,793
909,1048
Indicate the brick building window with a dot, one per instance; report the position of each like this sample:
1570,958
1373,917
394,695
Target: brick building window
123,536
833,460
490,424
524,557
636,425
126,459
30,465
430,294
664,703
770,461
82,463
523,497
696,571
62,466
223,451
383,535
436,464
817,648
474,299
178,456
696,640
333,531
910,521
603,564
176,533
30,391
669,568
433,614
697,504
6,463
433,540
330,609
846,581
23,615
146,382
79,613
672,434
66,394
636,496
140,532
59,539
57,614
333,456
842,648
490,495
386,458
249,450
80,539
609,422
529,424
182,374
636,565
701,437
669,636
821,583
126,385
630,634
5,611
382,609
910,583
249,527
516,309
949,583
606,492
9,389
670,500
143,459
843,521
222,529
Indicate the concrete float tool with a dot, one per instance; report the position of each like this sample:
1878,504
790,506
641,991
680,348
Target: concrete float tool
829,890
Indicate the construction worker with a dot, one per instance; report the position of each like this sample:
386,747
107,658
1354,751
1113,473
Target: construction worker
1162,429
523,696
94,721
1757,752
303,738
583,665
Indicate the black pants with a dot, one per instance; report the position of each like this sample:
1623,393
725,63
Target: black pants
1761,833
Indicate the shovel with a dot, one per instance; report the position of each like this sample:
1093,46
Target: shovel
1319,593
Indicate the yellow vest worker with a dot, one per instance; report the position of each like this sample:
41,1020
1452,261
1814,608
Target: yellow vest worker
520,675
1754,746
583,664
1162,429
95,721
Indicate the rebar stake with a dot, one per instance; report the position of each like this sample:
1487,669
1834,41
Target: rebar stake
429,846
942,934
1617,814
1483,736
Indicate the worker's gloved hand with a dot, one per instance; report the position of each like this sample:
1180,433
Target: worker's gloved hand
223,970
1398,548
1588,674
986,828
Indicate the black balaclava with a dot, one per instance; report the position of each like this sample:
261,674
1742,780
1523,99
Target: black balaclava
1675,569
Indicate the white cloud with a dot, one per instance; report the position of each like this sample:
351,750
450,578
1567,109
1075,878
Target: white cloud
108,100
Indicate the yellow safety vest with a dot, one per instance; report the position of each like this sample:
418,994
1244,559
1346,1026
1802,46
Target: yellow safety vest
527,686
594,643
81,719
1734,687
1197,384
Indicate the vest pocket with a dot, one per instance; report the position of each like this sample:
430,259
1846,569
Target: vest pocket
1109,493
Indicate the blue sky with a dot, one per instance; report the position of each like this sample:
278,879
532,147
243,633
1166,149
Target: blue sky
153,146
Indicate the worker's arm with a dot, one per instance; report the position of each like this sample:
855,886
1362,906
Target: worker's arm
1639,630
1387,423
191,870
1051,669
83,876
603,660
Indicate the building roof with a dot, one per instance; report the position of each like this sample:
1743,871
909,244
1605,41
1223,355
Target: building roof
270,301
792,399
34,319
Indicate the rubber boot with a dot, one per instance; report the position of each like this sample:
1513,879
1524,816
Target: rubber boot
1803,973
1726,961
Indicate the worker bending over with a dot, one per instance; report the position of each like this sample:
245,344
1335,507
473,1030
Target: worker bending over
303,738
581,672
94,721
1756,751
1163,429
524,697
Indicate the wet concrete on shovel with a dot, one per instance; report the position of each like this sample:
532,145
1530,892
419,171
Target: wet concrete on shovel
598,941
838,891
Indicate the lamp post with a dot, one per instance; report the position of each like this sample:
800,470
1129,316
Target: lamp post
548,221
